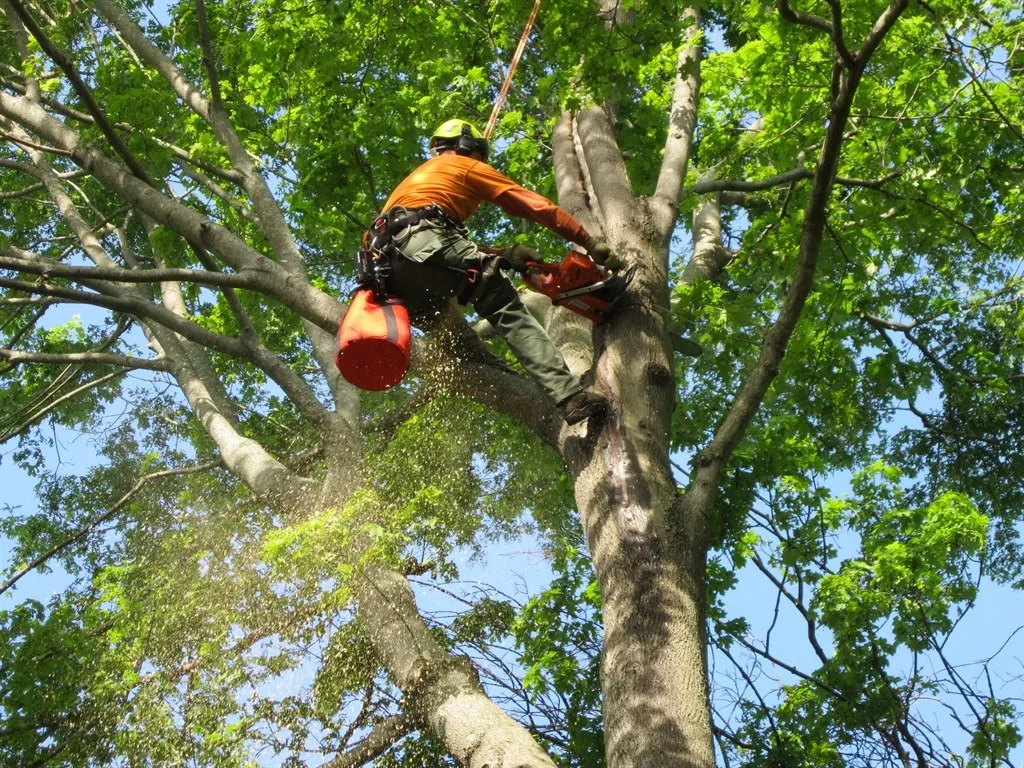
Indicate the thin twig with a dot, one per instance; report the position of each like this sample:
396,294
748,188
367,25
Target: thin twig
100,519
17,357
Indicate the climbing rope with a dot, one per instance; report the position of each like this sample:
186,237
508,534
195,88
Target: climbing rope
493,119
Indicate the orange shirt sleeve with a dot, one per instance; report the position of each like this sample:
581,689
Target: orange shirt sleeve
496,187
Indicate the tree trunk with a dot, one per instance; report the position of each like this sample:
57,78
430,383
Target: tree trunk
654,671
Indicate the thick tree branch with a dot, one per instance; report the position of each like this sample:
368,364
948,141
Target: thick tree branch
709,254
569,182
267,209
838,42
440,688
878,32
209,60
381,737
682,121
607,168
478,376
16,357
587,179
510,394
293,384
712,459
244,457
16,301
804,19
28,143
24,261
32,88
736,185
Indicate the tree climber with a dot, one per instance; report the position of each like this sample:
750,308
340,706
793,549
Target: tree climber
423,218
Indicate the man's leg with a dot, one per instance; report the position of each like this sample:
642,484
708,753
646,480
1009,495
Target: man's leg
501,307
432,246
422,278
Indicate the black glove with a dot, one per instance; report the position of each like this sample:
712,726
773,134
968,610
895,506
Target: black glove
603,254
518,255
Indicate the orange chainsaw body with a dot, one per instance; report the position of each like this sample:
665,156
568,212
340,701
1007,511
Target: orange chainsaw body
578,284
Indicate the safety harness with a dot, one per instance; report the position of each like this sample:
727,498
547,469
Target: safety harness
374,263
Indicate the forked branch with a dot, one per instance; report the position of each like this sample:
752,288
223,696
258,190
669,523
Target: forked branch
711,461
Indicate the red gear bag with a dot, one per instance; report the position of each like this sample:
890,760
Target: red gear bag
374,342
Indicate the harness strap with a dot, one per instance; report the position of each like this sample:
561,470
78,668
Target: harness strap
395,220
373,263
476,281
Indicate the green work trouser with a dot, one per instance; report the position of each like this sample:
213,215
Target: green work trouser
435,269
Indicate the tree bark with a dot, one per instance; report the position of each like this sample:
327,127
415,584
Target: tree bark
441,689
654,677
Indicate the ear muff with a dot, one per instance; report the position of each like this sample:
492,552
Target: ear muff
468,144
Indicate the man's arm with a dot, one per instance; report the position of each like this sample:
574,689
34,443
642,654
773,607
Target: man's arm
490,184
525,204
529,205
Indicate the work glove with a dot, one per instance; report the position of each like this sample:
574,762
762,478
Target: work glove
518,255
603,254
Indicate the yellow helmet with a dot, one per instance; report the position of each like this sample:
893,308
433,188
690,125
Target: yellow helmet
461,136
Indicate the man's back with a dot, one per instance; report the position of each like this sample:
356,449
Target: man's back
459,184
455,182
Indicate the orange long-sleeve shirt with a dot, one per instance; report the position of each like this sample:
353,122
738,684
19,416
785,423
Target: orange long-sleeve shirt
459,184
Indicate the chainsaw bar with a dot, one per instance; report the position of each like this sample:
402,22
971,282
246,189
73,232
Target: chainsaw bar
578,284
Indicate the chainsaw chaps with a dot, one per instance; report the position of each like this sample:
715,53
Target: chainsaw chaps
578,284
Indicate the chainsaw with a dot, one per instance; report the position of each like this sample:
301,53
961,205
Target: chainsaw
578,284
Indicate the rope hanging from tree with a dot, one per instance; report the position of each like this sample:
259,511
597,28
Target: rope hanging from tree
493,119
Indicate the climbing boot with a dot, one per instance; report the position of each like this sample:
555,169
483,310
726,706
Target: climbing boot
582,405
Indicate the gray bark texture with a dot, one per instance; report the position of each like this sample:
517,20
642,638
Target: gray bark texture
649,560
